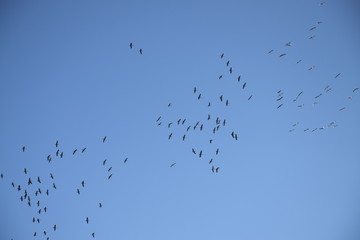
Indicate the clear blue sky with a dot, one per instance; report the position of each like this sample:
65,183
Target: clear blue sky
67,73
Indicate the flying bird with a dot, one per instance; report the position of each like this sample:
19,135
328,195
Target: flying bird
193,150
313,28
239,77
222,55
109,176
104,139
282,55
172,164
131,45
199,96
141,51
250,97
270,51
87,220
74,151
244,85
194,89
337,75
57,144
104,162
355,89
227,63
298,61
83,150
170,136
280,106
23,148
158,119
83,183
125,160
220,77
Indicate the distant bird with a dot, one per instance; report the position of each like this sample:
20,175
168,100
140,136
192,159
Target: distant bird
83,183
188,128
172,164
61,154
288,44
230,70
199,96
282,55
342,108
141,51
298,61
131,45
210,161
250,97
355,89
93,234
221,98
25,171
169,125
337,75
23,148
280,106
158,119
239,77
183,121
104,139
83,150
57,144
213,169
322,3
210,141
109,176
169,105
194,89
125,160
244,85
220,77
217,169
57,152
100,205
29,181
38,179
227,103
227,63
311,68
200,154
313,28
54,227
74,151
104,162
87,220
312,37
170,136
318,95
183,138
209,104
222,55
217,151
193,150
279,99
54,186
270,51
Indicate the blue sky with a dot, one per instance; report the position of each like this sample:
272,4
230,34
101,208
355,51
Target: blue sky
67,74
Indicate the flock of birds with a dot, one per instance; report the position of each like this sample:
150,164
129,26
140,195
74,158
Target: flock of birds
180,129
34,187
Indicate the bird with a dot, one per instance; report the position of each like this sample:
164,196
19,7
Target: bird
170,136
83,150
109,169
131,45
337,75
318,95
169,105
61,154
244,85
311,68
342,108
29,181
57,144
141,51
270,51
104,139
158,119
210,161
209,104
38,179
227,63
250,97
54,227
87,220
200,154
239,77
183,138
74,151
183,121
217,169
193,150
221,98
25,171
104,162
222,55
172,164
288,44
220,77
312,37
125,160
199,96
282,55
355,89
54,186
299,61
169,125
100,205
213,169
313,28
83,183
280,106
188,128
227,103
217,151
194,89
109,176
210,141
93,234
23,148
57,152
230,70
279,99
322,3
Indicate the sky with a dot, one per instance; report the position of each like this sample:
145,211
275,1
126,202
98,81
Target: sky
67,74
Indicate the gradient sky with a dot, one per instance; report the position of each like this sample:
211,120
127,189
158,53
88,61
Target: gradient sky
67,73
